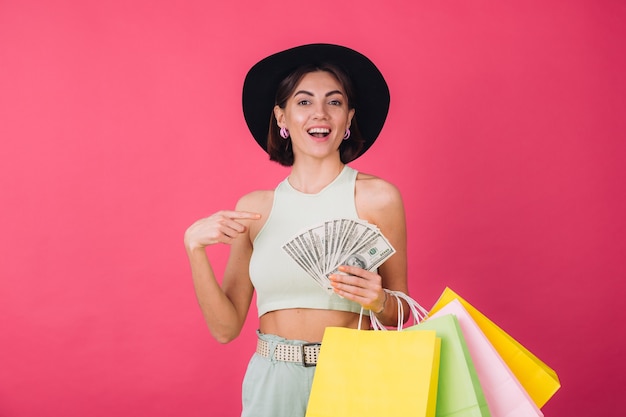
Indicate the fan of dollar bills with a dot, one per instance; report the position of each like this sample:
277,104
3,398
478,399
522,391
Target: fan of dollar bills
322,248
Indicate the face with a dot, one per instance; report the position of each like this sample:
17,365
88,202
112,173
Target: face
316,115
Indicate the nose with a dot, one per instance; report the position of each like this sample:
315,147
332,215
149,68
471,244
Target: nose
319,111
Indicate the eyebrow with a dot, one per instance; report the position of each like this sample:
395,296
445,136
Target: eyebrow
308,93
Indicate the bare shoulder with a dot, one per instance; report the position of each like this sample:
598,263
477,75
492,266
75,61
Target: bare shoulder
255,201
374,194
260,202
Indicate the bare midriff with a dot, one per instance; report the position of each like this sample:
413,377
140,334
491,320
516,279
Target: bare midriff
308,324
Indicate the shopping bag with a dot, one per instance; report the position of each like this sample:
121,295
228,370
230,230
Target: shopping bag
504,394
363,373
537,378
459,392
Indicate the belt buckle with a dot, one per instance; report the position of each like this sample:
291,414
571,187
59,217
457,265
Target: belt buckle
304,362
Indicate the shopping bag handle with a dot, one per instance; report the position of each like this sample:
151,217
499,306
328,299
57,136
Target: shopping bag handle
418,312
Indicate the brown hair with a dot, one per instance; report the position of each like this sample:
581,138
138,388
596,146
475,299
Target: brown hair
279,149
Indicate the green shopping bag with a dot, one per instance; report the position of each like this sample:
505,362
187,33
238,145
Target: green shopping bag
459,393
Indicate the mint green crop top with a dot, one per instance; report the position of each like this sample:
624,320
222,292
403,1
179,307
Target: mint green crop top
278,280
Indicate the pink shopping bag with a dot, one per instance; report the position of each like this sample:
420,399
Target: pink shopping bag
538,379
505,396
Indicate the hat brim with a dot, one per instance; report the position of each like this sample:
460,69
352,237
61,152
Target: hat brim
372,93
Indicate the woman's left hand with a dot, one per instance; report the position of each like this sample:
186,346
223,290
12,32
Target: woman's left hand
359,285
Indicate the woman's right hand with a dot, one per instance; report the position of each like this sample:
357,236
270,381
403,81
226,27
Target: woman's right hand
221,227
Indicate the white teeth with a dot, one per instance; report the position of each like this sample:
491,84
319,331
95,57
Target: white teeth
319,130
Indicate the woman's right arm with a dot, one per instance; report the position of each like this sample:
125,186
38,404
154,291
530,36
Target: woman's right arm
224,308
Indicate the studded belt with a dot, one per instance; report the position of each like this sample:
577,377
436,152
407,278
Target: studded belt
305,354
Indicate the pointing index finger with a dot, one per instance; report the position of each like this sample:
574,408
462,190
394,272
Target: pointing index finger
233,214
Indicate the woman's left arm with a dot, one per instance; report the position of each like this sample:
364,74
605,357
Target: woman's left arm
380,203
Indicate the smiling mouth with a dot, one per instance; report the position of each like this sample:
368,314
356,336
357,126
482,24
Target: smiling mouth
318,132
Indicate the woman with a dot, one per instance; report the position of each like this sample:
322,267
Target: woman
313,96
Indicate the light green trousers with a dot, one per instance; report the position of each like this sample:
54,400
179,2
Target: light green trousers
274,388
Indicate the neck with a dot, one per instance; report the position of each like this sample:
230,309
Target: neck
312,178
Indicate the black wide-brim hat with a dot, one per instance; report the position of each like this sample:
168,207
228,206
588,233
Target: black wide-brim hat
372,93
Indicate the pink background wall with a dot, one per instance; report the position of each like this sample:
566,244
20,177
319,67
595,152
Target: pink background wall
120,124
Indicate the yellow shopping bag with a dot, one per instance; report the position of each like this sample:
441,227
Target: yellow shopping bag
537,378
362,373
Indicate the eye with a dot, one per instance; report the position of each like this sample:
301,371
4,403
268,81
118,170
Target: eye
335,102
303,102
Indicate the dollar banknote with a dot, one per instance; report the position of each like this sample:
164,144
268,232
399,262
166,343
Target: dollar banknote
322,248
